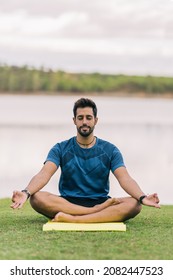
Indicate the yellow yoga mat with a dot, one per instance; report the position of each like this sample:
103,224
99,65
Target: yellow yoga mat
84,226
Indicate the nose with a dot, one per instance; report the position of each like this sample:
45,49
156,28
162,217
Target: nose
84,121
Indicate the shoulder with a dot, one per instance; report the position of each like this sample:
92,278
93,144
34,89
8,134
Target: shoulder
64,144
106,145
59,150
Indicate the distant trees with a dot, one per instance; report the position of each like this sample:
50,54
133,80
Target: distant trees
25,79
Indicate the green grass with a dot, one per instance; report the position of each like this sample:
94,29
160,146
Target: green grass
148,236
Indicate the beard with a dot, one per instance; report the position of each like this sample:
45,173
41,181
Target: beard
85,131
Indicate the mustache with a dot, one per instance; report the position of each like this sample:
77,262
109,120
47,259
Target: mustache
84,126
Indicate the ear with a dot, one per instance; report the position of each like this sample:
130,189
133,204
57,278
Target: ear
74,120
96,120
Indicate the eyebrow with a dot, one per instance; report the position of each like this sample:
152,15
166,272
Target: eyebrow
85,115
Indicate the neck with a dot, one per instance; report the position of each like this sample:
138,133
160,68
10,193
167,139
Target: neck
85,142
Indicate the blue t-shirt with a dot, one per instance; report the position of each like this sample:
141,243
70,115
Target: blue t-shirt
85,172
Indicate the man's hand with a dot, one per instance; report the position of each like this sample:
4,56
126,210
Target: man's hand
151,200
18,199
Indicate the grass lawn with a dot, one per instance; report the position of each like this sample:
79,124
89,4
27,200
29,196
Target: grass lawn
149,236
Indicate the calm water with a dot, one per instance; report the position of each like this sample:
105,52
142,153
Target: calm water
141,128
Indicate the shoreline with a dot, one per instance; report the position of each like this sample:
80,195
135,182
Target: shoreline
141,94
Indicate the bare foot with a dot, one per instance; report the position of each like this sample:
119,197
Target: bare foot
63,217
107,203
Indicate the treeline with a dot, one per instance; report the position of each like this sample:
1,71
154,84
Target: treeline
25,79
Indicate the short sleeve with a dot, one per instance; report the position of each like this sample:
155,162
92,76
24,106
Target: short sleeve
116,160
54,155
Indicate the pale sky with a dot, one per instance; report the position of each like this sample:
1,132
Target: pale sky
108,36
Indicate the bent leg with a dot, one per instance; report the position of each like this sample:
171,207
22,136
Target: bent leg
49,205
128,208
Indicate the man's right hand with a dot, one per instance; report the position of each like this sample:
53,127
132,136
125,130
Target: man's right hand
18,199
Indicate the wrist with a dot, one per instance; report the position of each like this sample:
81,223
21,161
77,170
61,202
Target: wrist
27,193
141,198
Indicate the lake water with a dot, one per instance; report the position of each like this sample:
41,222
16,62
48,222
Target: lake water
141,128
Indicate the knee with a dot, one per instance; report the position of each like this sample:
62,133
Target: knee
133,208
36,199
135,205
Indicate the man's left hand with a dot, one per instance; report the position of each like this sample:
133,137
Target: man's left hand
151,200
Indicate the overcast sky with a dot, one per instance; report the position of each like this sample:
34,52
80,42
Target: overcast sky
109,36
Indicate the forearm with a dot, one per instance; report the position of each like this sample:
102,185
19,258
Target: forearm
20,197
37,183
131,187
128,184
42,178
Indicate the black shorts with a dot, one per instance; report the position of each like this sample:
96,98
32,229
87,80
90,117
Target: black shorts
87,202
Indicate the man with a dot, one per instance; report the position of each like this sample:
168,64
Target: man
85,162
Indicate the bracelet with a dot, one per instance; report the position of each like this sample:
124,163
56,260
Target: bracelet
141,198
27,193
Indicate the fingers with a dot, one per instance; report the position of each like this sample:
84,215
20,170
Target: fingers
18,199
154,197
20,205
13,197
152,200
16,205
157,206
157,198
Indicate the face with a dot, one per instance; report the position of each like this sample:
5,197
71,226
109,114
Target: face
85,121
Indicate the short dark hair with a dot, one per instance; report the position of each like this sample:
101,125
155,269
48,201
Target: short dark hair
85,102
